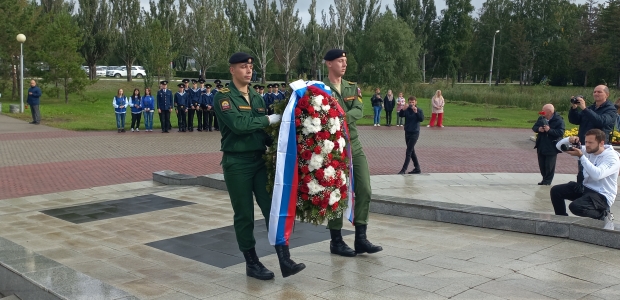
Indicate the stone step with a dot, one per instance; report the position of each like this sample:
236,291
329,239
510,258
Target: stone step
12,297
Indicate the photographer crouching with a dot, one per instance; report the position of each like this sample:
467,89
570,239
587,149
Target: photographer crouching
600,164
600,115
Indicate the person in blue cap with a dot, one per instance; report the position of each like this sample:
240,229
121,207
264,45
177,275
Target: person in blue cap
164,106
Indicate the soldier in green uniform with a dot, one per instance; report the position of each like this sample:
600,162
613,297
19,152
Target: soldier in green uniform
242,116
350,98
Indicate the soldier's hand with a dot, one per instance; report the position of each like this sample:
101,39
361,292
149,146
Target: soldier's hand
159,111
273,119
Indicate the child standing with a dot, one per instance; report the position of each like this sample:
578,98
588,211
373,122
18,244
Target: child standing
120,107
148,103
400,105
135,102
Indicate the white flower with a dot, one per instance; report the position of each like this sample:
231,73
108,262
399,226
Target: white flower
334,124
342,144
328,146
317,100
325,107
334,197
316,121
315,162
309,127
314,187
330,172
343,178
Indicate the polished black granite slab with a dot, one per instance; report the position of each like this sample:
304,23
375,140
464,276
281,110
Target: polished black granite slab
114,208
218,247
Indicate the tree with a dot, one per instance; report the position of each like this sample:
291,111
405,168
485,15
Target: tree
427,29
410,12
129,23
95,19
156,54
62,39
262,30
208,34
391,62
289,24
237,14
338,19
611,35
455,33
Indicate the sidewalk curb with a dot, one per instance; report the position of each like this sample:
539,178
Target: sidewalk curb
573,228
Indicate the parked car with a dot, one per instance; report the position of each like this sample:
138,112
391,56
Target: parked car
136,71
85,69
101,71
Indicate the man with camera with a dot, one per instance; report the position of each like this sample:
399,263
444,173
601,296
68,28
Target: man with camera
600,115
600,165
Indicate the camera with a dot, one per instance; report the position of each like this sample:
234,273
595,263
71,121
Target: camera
571,147
575,99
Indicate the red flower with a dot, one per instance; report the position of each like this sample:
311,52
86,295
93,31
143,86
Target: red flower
316,200
310,142
305,169
319,174
323,121
297,122
317,150
297,112
336,145
330,156
325,203
304,188
322,212
326,196
299,148
338,134
333,113
307,179
314,114
335,206
303,103
325,102
343,189
335,164
304,197
310,110
306,155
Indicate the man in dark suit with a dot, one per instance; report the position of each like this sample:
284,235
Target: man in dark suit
164,106
550,129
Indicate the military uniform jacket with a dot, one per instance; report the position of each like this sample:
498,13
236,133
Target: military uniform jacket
207,99
241,123
164,100
194,97
351,102
181,100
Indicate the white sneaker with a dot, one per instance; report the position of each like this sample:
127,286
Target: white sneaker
138,129
131,129
428,125
378,125
609,221
441,126
375,125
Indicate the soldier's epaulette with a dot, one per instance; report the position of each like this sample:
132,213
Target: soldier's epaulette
224,90
351,82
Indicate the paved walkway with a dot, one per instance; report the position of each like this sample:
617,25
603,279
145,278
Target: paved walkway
35,159
421,260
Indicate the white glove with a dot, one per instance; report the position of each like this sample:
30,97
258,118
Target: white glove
273,119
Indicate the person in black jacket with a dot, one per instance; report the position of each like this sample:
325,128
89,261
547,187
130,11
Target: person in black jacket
600,115
413,116
377,105
388,104
550,129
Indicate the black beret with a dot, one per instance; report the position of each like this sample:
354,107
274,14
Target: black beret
181,85
208,86
219,86
201,80
217,81
256,86
262,87
185,80
333,54
164,82
269,86
227,84
194,81
240,57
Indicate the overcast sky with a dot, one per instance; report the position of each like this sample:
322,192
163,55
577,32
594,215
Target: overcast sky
303,6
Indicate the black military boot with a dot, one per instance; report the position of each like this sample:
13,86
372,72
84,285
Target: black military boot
362,244
253,267
338,246
287,265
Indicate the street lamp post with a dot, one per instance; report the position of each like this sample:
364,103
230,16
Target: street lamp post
21,39
492,55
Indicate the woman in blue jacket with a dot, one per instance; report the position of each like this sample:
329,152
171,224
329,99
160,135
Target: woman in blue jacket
148,104
120,108
135,102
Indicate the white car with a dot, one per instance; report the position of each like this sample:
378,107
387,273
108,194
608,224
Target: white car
101,71
136,71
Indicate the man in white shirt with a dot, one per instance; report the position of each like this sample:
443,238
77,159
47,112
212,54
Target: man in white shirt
600,170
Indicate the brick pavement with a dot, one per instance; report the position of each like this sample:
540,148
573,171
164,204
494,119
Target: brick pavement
38,159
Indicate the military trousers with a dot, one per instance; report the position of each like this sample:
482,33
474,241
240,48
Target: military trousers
245,175
361,187
190,118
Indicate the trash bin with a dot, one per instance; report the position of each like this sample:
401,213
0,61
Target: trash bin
13,108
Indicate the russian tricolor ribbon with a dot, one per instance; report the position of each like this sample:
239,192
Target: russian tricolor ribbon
284,199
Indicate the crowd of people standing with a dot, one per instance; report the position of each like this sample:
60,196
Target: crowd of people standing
389,103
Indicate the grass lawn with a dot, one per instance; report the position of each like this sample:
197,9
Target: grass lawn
81,115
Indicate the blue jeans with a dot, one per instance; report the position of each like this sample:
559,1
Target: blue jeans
120,121
148,120
377,110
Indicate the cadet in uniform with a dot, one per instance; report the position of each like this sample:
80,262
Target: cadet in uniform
283,90
207,108
268,99
350,100
242,117
261,90
218,86
193,97
164,106
181,103
200,108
